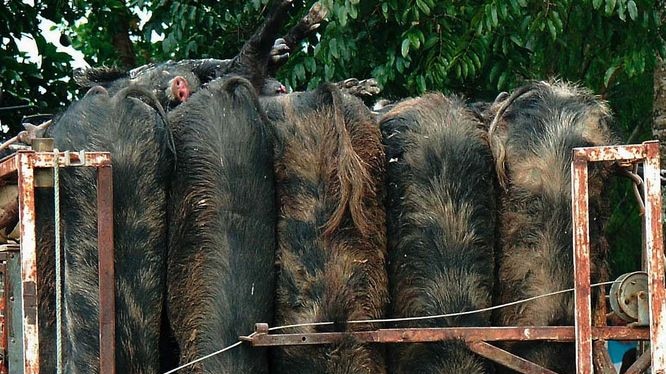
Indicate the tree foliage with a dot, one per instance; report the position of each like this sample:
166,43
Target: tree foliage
26,86
470,47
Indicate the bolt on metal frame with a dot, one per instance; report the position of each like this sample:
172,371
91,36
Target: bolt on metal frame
589,339
22,165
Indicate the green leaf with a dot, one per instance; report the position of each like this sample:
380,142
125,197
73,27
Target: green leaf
622,10
504,10
471,68
342,16
502,80
596,3
353,12
555,16
493,14
420,83
551,29
423,6
193,13
514,6
609,73
432,40
479,28
300,72
399,65
414,40
405,48
476,60
633,10
494,71
328,72
523,3
610,6
333,47
310,64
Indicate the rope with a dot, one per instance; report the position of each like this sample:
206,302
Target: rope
385,320
58,260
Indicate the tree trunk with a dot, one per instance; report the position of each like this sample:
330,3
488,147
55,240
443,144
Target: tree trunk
121,41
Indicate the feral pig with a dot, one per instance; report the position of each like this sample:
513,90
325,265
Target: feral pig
137,136
441,219
532,137
222,221
331,227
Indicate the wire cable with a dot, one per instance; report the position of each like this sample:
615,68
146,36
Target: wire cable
419,318
209,355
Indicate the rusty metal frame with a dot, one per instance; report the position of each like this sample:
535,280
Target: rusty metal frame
23,165
4,327
588,337
653,249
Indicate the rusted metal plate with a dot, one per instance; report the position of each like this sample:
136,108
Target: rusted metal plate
654,254
416,335
28,263
507,359
633,152
581,242
107,299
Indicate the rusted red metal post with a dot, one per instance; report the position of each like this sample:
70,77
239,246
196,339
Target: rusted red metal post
581,242
28,262
107,298
654,250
